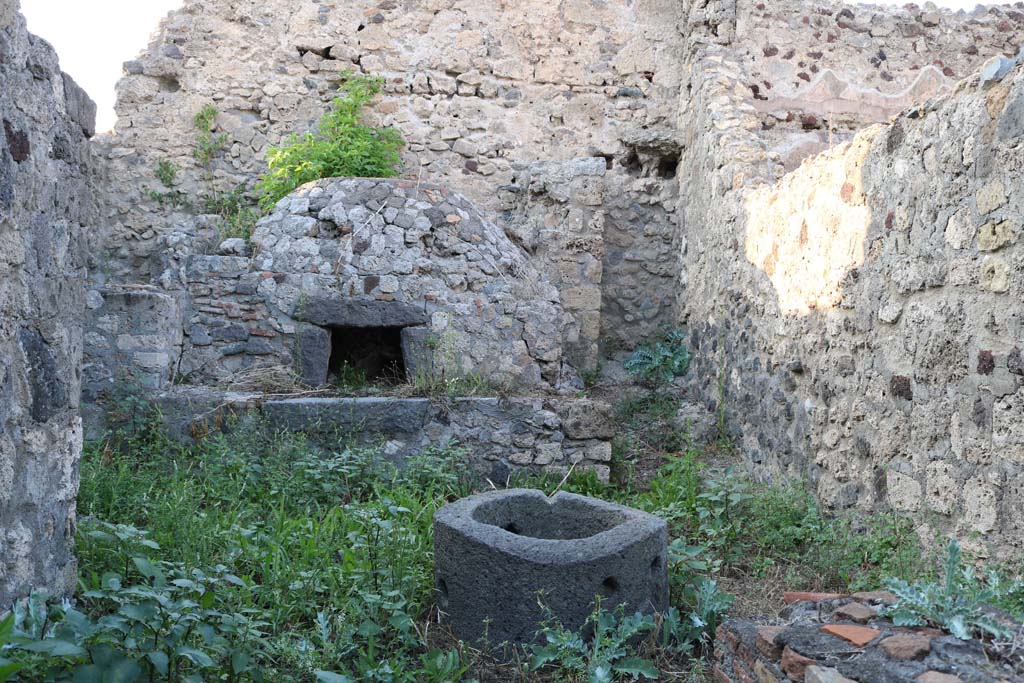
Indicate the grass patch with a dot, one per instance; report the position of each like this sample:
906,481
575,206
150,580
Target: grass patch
260,556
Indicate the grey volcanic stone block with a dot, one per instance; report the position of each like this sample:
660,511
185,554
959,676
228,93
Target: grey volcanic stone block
338,311
341,415
80,107
495,551
312,353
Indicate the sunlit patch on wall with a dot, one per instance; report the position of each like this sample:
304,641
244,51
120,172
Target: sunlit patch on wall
807,231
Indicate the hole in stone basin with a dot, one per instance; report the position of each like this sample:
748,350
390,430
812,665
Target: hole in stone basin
370,354
564,519
656,564
609,586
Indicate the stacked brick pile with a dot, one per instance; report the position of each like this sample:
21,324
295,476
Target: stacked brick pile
829,638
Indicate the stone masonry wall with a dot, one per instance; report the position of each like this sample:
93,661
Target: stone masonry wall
503,436
45,200
860,312
481,91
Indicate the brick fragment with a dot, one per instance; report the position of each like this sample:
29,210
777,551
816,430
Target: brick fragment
795,664
766,644
727,636
858,635
799,596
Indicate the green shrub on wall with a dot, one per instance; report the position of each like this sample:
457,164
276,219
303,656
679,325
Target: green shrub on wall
342,146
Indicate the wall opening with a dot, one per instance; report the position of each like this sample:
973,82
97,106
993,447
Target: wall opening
373,353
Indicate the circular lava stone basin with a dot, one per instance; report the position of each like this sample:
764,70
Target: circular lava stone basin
496,551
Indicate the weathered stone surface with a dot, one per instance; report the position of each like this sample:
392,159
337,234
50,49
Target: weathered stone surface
500,435
855,611
586,419
938,677
495,551
762,290
45,204
906,646
346,416
336,311
883,597
430,261
823,674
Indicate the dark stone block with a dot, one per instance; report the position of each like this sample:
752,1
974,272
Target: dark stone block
231,332
986,362
1014,362
258,347
49,390
17,142
900,387
81,108
312,354
331,416
416,352
495,551
340,311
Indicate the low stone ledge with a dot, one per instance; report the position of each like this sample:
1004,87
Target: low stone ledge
502,434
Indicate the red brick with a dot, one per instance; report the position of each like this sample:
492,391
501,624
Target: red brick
907,646
720,676
795,664
937,677
766,641
855,611
798,596
743,674
858,635
725,635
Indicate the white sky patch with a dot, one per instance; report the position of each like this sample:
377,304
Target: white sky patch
94,38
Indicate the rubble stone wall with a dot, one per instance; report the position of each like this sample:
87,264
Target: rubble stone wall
481,93
45,200
862,313
503,436
656,161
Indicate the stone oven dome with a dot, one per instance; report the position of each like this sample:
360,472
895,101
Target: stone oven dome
372,260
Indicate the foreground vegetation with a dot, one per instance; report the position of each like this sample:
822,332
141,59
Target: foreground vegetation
259,556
